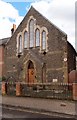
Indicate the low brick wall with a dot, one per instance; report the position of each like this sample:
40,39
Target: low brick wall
20,91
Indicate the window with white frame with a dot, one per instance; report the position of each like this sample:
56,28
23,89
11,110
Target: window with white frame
32,37
20,44
25,39
31,32
44,39
37,37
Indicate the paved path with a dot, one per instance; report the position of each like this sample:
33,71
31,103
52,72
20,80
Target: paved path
66,107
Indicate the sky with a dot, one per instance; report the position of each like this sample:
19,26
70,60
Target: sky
59,12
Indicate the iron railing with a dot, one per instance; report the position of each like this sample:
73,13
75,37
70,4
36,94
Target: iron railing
42,90
47,90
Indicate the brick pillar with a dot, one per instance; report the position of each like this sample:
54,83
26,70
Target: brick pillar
18,89
3,88
74,91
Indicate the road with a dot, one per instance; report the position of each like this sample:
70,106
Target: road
12,113
19,113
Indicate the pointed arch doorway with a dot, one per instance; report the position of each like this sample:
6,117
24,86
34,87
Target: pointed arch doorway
31,73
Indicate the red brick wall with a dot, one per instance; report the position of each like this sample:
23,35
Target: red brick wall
1,60
74,91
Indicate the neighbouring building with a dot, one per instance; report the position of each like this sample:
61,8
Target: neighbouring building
3,43
76,63
37,52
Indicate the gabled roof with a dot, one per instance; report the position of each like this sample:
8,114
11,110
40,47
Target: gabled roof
33,9
48,20
4,41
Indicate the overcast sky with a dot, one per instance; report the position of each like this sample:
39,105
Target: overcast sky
59,12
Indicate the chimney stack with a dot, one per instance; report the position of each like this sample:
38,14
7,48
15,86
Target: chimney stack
13,29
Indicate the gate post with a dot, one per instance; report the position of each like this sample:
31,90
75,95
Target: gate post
74,91
18,89
3,88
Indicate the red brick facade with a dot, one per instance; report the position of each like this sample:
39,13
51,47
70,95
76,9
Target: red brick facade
1,61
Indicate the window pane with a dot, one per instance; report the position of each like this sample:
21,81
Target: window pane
25,39
31,31
43,40
20,43
37,37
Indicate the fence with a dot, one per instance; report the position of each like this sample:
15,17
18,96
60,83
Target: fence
42,90
55,91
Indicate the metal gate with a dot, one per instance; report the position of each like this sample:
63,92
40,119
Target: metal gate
11,86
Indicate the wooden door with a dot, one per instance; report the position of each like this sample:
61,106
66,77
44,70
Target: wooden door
30,76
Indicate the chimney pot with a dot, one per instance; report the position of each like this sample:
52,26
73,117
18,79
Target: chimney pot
13,29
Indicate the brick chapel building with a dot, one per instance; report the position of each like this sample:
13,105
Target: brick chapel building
37,52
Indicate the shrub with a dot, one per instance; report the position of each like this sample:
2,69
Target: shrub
3,78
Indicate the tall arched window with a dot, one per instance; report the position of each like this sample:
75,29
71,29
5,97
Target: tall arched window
37,37
25,39
31,32
44,39
20,44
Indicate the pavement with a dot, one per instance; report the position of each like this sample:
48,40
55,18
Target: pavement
63,107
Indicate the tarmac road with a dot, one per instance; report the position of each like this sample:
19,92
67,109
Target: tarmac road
11,113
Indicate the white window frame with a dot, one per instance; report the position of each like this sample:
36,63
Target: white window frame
25,39
37,37
20,44
31,33
43,40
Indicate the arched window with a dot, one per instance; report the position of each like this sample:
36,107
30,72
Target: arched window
25,39
20,44
37,37
31,32
44,39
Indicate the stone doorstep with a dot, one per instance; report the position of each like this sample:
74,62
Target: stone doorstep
41,111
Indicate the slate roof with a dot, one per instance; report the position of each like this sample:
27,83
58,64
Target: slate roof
69,44
4,41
